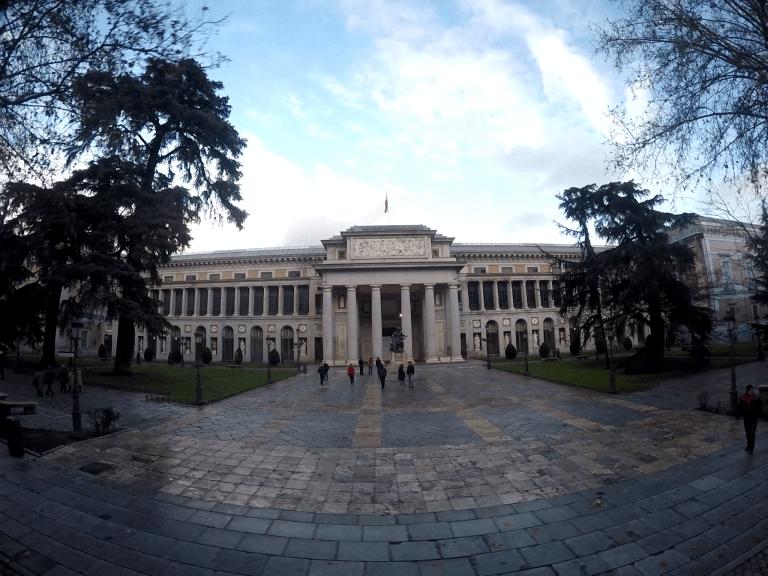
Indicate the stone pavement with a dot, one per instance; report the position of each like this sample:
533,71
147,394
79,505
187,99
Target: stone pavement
471,472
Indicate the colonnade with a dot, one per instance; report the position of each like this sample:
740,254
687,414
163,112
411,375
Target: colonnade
251,299
540,287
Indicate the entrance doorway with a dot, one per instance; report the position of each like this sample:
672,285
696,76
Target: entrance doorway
318,349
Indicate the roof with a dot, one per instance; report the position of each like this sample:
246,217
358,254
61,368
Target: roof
250,253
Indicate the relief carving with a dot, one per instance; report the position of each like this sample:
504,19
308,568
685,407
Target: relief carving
383,247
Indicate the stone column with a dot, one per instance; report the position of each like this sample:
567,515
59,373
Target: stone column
455,322
296,302
352,338
210,301
328,324
280,300
481,295
495,294
405,321
376,320
429,321
510,300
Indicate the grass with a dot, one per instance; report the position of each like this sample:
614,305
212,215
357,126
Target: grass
592,375
179,383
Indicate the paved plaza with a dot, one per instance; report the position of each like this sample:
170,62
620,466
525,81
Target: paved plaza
471,472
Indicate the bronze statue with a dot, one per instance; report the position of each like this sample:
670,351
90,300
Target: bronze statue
397,341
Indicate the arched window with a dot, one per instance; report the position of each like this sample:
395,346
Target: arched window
199,347
175,339
257,344
286,348
228,343
549,333
492,333
521,336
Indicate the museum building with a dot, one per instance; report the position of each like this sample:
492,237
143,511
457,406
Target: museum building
342,300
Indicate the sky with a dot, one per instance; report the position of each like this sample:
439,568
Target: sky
470,116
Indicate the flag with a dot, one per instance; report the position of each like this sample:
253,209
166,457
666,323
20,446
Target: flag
386,203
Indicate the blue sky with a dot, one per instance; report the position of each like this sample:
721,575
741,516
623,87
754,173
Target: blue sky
469,115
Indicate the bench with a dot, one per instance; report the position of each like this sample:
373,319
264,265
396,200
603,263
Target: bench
582,357
27,405
233,366
156,396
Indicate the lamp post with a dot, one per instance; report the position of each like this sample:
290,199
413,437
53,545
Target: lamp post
612,376
269,365
526,373
730,320
199,384
77,424
487,348
298,353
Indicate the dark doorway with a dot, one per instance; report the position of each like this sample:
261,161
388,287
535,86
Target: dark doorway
463,345
318,349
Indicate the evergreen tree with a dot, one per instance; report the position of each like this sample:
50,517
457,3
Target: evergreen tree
638,278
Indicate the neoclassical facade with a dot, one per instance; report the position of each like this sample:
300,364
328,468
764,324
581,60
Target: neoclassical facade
342,300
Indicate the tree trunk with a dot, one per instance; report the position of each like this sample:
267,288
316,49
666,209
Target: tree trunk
656,324
51,322
124,347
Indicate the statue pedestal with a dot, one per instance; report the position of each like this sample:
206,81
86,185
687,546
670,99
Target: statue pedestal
398,358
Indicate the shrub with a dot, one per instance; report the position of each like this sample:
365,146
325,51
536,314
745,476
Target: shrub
149,354
102,351
575,346
627,343
176,356
544,350
238,356
103,420
274,357
510,352
206,356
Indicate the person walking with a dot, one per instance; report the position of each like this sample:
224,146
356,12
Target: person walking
378,363
750,408
37,382
361,363
351,373
401,375
63,378
382,373
410,371
370,366
326,369
49,379
321,371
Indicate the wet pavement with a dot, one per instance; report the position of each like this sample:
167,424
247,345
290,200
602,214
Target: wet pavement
469,472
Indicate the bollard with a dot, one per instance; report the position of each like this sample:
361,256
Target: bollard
12,433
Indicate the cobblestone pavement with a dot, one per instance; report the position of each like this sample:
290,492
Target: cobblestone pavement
470,472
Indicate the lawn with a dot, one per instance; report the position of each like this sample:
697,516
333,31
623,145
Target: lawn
179,383
591,374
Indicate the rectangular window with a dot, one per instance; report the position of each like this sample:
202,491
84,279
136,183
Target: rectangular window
342,254
507,270
191,277
294,274
266,275
544,294
156,296
287,300
167,278
517,295
530,294
166,302
273,300
461,301
557,297
479,270
303,300
533,270
488,295
190,301
178,296
243,304
474,297
202,305
239,275
216,309
503,296
258,301
319,303
230,295
435,253
214,277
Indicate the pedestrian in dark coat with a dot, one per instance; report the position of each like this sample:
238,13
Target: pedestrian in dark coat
370,366
401,375
750,408
378,364
410,371
326,369
49,379
63,378
361,363
321,371
382,372
37,382
351,373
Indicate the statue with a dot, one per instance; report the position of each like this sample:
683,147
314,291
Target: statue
397,341
477,342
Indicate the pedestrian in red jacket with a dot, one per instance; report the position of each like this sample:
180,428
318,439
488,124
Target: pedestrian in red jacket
351,374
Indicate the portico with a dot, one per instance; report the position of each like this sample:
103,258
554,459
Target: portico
376,279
